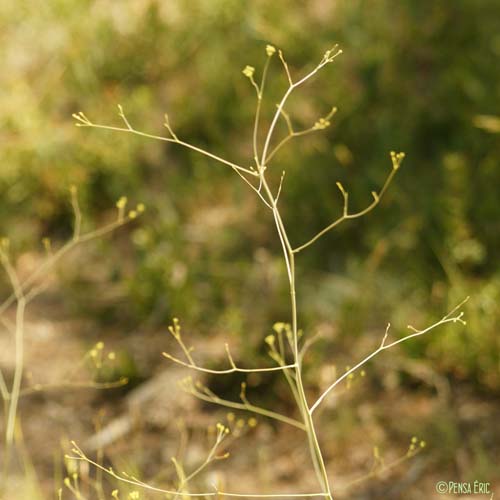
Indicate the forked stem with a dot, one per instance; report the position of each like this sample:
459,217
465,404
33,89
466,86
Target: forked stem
314,447
292,371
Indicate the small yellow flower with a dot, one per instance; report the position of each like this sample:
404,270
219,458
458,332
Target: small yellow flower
270,50
279,327
321,124
396,159
121,202
249,71
252,422
269,340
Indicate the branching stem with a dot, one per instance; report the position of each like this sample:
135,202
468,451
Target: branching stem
449,318
293,371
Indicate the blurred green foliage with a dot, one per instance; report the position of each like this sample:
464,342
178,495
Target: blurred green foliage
413,77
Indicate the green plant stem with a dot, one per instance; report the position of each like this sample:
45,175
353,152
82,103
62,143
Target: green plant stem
54,258
315,449
18,373
210,397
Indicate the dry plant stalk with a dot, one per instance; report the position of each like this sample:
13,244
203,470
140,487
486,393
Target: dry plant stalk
255,177
24,291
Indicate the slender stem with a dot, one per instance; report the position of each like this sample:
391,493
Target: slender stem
346,215
184,480
316,454
78,214
55,257
291,88
289,375
292,133
256,190
72,385
383,346
18,373
79,455
213,398
23,293
260,92
4,391
229,370
13,396
171,139
267,142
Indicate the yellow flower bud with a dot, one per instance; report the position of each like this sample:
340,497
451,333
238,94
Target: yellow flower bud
121,202
270,50
248,71
269,340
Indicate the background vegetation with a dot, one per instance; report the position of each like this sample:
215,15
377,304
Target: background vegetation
415,77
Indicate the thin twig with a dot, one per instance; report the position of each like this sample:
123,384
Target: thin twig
19,349
446,319
229,370
321,124
291,88
173,139
205,394
54,258
73,385
345,211
79,455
